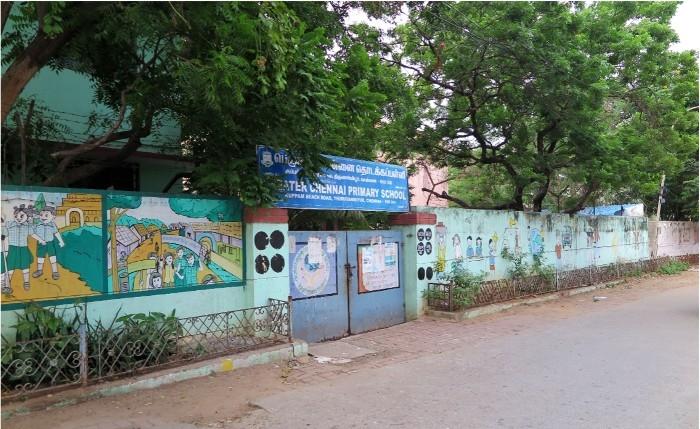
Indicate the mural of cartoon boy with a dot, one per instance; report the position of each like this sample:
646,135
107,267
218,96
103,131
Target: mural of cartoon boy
470,248
46,233
189,271
479,247
492,252
169,270
18,231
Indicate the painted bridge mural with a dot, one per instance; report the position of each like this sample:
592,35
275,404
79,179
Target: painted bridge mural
59,245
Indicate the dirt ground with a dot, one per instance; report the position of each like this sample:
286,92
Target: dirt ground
221,400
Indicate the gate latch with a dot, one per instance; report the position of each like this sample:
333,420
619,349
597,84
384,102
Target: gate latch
348,270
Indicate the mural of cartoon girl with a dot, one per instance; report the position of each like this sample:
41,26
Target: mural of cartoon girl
46,233
479,248
155,282
457,244
18,231
189,271
470,248
169,270
179,267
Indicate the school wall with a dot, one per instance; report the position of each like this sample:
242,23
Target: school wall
669,238
563,241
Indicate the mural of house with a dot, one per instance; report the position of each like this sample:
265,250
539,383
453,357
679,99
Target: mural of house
79,209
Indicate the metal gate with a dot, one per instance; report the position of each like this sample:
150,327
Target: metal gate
345,282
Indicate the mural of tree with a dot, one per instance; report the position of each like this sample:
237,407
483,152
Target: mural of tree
118,205
40,202
213,210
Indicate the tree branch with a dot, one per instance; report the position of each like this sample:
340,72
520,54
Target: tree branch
22,128
91,144
61,177
581,203
464,204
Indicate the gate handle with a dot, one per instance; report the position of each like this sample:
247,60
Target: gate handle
348,269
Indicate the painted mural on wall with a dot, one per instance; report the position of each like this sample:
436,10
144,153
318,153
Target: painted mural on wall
478,239
51,245
156,243
378,266
313,269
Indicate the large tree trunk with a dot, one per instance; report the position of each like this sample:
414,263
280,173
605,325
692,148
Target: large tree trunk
581,203
26,65
540,195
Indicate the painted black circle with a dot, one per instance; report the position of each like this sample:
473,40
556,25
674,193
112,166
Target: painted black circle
277,263
428,234
277,239
421,273
428,248
420,234
262,264
429,273
261,240
420,248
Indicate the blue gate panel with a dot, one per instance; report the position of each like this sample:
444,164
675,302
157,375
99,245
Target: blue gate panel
376,293
318,285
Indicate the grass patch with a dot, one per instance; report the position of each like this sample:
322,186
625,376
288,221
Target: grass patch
673,267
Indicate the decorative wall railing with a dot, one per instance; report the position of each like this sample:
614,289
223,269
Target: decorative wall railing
135,344
440,296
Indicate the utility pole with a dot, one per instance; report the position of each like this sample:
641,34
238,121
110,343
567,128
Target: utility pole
661,197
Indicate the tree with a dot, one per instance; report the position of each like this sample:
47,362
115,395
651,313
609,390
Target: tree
117,205
232,75
535,90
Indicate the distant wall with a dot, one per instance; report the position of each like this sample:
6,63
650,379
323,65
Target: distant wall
440,236
668,238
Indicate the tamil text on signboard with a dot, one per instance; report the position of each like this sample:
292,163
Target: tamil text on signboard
349,184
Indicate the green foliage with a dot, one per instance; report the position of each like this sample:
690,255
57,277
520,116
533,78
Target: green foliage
673,267
529,93
213,210
519,268
88,265
129,342
465,285
122,201
539,269
233,75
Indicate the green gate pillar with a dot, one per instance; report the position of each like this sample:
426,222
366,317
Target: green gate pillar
267,255
418,260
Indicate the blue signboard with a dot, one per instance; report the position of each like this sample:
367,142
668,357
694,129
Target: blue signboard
350,184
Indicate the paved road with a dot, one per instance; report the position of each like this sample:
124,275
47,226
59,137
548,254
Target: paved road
630,361
632,366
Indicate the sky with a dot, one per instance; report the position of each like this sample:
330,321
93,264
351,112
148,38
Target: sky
685,23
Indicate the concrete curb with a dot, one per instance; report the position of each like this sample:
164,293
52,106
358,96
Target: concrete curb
285,352
499,307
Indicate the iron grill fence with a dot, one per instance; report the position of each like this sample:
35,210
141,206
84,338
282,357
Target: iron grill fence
135,344
440,296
